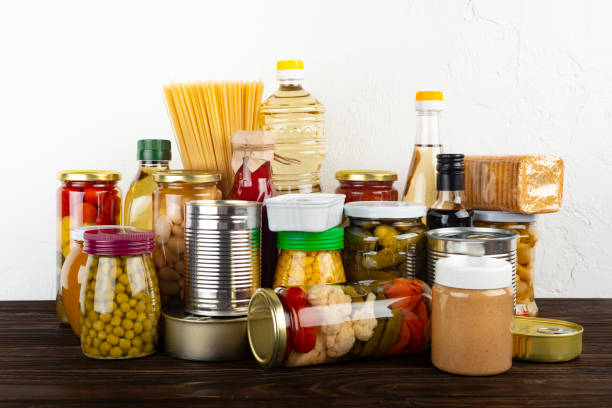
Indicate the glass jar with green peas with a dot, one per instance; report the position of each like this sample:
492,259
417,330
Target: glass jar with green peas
119,306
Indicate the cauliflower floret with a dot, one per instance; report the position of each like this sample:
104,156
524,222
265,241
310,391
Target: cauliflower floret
321,295
364,321
314,356
341,342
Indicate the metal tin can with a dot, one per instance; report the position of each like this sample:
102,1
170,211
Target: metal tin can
545,340
222,261
489,242
205,338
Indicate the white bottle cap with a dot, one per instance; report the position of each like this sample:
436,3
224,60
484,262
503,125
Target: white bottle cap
473,272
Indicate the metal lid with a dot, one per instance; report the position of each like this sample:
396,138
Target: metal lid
384,209
366,175
472,240
89,175
503,216
186,176
540,327
118,240
267,328
545,340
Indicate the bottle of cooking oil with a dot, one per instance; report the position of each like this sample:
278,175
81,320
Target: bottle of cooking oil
153,156
297,118
421,183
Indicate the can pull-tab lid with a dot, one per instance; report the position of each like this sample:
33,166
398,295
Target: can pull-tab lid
554,330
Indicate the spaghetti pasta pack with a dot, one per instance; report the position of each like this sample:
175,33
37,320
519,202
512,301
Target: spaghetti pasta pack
528,184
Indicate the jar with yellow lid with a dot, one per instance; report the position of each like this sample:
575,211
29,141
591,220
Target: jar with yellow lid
308,258
367,185
174,188
525,226
85,197
119,306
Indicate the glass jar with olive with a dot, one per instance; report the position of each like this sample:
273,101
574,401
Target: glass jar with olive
119,305
385,240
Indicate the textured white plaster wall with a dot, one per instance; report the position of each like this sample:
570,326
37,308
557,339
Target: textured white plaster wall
80,83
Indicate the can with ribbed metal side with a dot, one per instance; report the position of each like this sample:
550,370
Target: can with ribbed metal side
545,340
489,242
222,259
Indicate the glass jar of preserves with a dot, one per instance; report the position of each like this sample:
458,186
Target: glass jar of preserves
525,226
174,187
85,197
472,305
307,258
74,273
119,306
317,324
385,240
367,185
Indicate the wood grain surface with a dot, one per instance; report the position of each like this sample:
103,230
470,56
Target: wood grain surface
41,365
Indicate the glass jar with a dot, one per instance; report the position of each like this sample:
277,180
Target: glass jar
74,273
525,226
385,240
174,187
308,258
300,326
472,308
119,306
85,197
367,185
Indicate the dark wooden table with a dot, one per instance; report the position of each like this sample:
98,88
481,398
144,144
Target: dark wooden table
41,365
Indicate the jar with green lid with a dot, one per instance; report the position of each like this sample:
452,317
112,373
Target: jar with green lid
308,258
385,240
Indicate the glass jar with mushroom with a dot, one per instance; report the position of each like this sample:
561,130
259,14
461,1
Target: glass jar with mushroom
174,187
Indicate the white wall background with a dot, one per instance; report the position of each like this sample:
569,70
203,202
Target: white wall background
80,83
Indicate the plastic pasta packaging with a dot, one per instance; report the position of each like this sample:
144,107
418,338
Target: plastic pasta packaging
528,184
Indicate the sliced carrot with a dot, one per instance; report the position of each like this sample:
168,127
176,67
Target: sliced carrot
406,303
402,340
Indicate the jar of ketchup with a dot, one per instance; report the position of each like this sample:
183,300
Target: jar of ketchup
367,185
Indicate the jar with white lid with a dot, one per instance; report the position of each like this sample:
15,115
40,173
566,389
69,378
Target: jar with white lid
525,227
472,310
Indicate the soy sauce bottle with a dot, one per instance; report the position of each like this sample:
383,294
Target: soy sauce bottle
448,209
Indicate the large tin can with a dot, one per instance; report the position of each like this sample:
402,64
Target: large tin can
489,242
223,261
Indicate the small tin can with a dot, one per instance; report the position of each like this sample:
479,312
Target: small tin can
545,340
200,338
489,242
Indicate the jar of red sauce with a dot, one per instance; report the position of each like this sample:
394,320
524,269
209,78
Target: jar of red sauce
367,185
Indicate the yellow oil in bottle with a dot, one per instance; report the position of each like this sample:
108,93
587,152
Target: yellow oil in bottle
297,118
421,183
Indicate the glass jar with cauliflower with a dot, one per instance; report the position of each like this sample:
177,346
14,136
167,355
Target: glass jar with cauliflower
306,325
525,226
174,188
385,240
308,258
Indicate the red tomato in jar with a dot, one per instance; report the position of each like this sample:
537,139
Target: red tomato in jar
111,204
65,203
90,195
303,329
296,297
89,212
104,219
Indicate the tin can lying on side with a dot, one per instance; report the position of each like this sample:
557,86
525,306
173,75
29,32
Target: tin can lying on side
201,338
545,340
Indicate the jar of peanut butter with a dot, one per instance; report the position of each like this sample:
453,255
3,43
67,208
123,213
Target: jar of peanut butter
472,309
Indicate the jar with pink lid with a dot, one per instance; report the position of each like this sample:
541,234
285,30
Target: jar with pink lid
119,304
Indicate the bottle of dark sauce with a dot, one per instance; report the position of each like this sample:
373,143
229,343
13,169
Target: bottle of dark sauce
448,209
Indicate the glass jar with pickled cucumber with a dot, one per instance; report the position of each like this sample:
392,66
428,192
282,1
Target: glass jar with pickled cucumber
525,226
385,240
174,187
119,305
299,326
85,197
308,258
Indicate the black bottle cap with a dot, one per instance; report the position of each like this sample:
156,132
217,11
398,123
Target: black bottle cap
450,168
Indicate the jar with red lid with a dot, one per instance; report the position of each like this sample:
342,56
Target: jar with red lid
119,304
367,185
85,197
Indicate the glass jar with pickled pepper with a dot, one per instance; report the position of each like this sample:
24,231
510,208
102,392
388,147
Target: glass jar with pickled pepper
308,258
299,326
385,240
119,305
525,226
174,187
85,197
367,185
